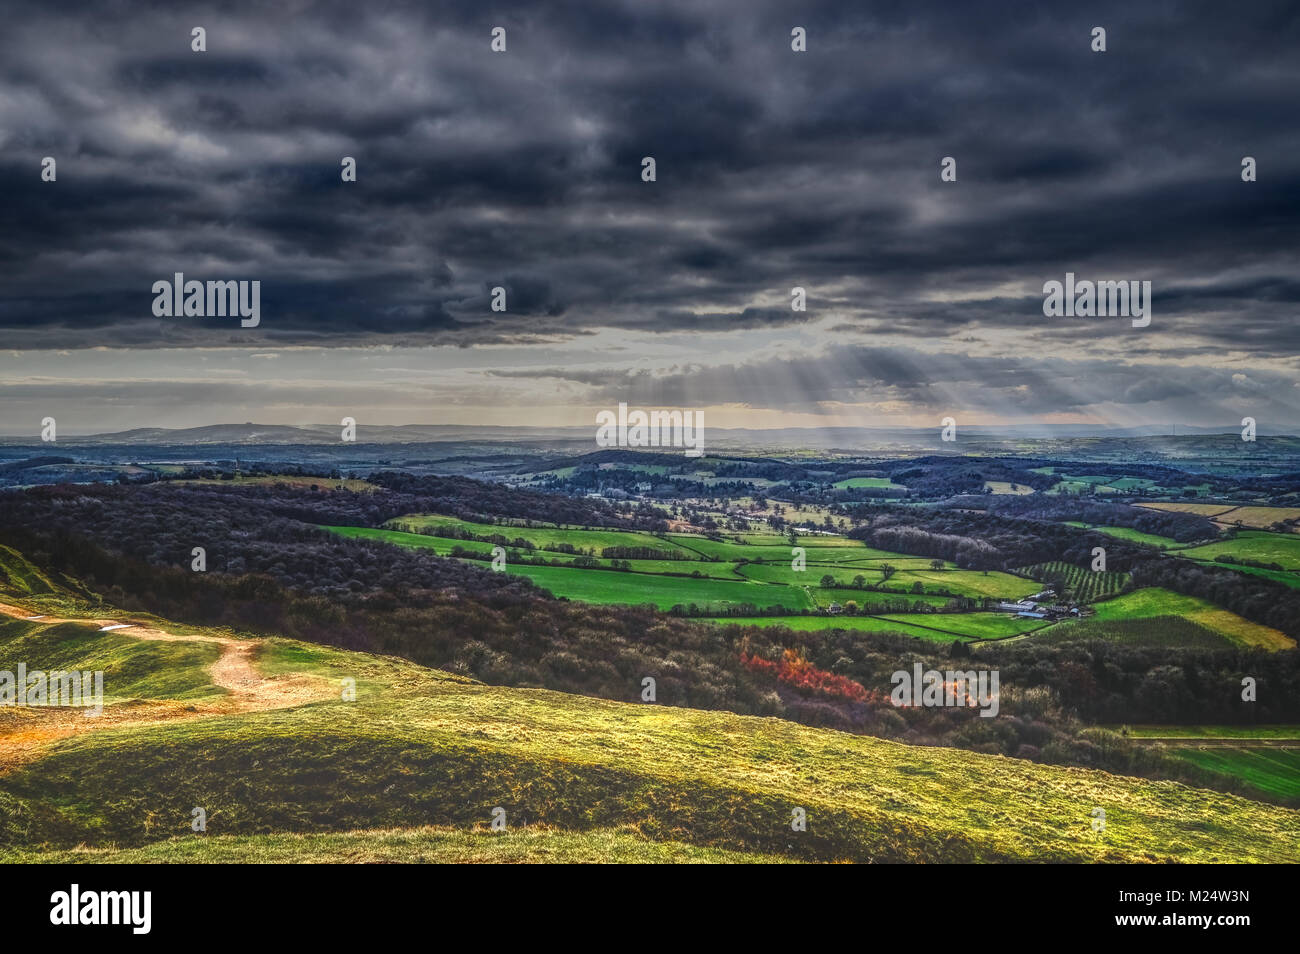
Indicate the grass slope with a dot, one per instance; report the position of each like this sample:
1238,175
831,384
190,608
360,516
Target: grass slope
1153,631
1155,601
426,845
133,668
424,748
1275,771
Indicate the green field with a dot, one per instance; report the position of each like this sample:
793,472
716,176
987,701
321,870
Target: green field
1083,586
1131,483
665,592
1153,631
755,570
1258,545
1102,484
830,541
937,627
825,596
1128,533
649,582
1070,487
731,575
856,483
865,624
1289,578
439,545
975,625
443,546
971,583
1007,487
1215,732
1151,602
543,538
776,550
1275,771
812,574
1109,484
975,583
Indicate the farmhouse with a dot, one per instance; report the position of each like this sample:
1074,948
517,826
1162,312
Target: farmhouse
1030,608
1024,606
1058,610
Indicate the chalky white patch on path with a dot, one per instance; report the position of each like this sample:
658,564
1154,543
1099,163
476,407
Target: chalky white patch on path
233,669
25,732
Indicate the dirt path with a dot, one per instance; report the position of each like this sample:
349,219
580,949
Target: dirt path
25,730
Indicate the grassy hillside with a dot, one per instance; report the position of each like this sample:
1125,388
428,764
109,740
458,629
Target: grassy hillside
1153,631
133,668
19,575
423,748
1155,601
1265,757
1274,771
425,845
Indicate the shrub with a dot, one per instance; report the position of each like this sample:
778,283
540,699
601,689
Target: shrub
793,670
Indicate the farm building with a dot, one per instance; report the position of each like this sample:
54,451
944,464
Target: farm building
1024,606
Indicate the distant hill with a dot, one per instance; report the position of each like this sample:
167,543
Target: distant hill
826,438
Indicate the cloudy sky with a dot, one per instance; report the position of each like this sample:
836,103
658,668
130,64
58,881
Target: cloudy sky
522,169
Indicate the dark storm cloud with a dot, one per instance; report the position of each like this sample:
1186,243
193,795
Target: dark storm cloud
522,169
